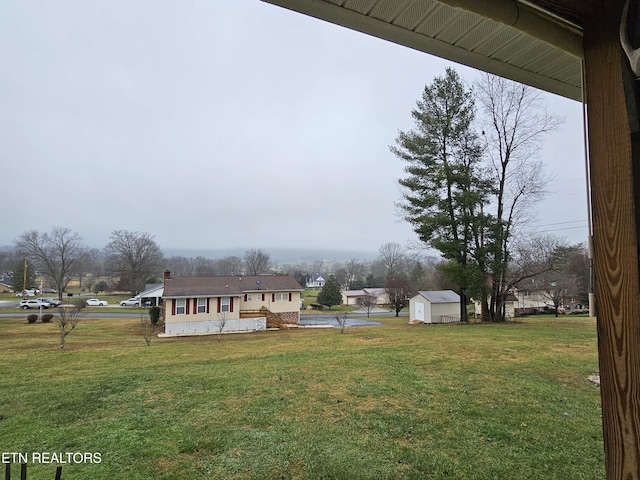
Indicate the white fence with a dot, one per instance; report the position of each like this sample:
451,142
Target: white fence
449,319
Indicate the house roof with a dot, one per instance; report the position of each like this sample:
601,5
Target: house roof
353,293
441,296
151,290
511,298
228,286
375,291
366,291
517,40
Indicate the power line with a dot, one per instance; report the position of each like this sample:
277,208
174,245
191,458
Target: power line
559,229
559,223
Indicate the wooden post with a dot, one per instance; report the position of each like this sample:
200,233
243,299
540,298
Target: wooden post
614,184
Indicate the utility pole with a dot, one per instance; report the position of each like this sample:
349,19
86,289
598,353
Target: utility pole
24,279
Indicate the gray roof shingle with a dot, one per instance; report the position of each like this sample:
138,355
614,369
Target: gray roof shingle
231,286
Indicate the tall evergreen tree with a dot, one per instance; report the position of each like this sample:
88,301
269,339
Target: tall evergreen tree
446,187
330,294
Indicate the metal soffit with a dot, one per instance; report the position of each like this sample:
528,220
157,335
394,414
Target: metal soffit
513,39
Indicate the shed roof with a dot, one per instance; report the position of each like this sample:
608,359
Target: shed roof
441,296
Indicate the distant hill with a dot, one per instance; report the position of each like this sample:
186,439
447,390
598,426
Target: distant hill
278,255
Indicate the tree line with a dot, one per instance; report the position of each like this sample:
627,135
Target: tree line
130,260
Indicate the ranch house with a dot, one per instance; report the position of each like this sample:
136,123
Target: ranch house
205,305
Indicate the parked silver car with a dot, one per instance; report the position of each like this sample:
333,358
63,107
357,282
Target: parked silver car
132,302
24,304
54,302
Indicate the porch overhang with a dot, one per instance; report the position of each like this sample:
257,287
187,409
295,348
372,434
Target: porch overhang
518,40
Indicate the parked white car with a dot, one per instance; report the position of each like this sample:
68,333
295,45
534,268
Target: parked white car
132,302
28,293
94,302
24,304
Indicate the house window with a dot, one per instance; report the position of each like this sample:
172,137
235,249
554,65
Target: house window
181,305
281,297
249,298
202,305
225,303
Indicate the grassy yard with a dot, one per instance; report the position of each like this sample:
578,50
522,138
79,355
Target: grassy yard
395,401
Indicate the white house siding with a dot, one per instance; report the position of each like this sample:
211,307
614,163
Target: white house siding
426,310
444,309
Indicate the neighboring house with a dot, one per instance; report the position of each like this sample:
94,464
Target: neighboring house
152,295
355,297
316,281
201,305
531,301
511,308
439,306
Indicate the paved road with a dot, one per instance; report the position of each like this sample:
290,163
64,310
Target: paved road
354,319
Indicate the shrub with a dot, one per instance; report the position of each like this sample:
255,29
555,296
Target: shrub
47,317
154,315
33,318
101,286
80,303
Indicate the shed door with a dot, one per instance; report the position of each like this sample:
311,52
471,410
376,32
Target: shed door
420,311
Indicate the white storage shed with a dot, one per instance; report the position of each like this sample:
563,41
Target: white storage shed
438,306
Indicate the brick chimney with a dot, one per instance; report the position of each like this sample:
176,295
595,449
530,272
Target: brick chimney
166,276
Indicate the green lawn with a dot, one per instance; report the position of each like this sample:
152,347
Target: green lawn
395,401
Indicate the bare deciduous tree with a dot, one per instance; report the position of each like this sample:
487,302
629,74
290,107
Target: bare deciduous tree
220,324
354,272
90,262
392,258
134,256
515,122
368,302
205,267
398,290
256,262
341,318
147,328
180,266
557,286
230,265
57,253
67,319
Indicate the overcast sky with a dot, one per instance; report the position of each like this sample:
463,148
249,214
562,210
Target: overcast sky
220,124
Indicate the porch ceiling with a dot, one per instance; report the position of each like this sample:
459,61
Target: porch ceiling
514,39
